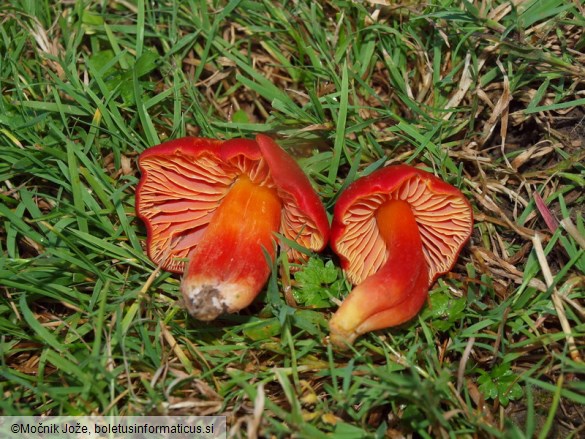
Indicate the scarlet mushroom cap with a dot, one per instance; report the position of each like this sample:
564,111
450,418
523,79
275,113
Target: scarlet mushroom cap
211,209
395,231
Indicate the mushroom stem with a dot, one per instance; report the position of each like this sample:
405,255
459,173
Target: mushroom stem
397,291
228,268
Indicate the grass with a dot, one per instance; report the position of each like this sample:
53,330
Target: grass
488,95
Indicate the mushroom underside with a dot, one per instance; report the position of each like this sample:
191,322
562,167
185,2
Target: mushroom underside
180,194
443,221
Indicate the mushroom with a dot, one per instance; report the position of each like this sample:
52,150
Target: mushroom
211,210
395,231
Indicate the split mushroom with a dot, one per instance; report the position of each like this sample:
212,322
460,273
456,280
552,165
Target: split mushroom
211,209
395,231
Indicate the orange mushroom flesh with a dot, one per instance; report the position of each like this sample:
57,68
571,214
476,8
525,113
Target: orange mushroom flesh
211,210
217,278
395,231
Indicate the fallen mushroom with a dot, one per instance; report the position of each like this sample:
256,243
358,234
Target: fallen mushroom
395,231
217,205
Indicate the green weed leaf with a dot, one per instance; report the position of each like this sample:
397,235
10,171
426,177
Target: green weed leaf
317,282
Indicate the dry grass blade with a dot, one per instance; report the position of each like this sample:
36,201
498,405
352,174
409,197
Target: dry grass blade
573,231
467,78
176,347
256,418
463,363
146,286
557,301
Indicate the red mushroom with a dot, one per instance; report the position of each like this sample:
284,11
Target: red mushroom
395,231
211,209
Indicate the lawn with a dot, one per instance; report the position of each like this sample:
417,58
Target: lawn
487,95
